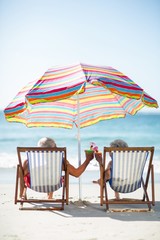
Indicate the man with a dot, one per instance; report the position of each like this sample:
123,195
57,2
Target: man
49,142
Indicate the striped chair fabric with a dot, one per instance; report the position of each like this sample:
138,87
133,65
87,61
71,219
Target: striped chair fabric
45,169
127,170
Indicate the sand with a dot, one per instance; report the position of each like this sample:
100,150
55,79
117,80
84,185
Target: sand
80,220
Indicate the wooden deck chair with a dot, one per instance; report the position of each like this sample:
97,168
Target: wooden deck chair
127,174
45,166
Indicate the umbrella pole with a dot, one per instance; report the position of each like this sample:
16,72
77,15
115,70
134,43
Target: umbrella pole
79,145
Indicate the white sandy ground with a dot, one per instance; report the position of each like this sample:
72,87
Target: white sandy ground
85,220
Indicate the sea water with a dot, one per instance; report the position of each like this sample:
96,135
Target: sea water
142,129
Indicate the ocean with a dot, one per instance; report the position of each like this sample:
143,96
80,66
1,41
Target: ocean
143,129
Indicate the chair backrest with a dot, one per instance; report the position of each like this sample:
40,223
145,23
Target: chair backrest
127,167
45,167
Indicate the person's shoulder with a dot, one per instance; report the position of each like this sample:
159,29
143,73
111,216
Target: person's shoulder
25,163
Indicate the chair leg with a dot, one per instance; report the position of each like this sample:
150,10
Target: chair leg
16,188
67,186
101,195
101,184
152,186
146,195
106,197
63,194
152,182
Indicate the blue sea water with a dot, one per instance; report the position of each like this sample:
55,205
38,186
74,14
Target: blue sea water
143,129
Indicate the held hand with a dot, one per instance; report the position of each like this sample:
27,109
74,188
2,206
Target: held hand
98,157
89,155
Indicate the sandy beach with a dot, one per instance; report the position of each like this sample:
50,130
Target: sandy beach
80,220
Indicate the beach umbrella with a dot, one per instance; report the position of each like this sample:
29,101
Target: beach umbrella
78,94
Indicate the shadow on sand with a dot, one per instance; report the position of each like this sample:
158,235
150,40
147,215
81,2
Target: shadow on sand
91,210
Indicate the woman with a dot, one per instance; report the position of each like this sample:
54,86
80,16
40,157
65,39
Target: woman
115,143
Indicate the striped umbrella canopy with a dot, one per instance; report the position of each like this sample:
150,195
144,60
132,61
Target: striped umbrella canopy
80,95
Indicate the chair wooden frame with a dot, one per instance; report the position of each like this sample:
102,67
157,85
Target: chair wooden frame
145,182
52,203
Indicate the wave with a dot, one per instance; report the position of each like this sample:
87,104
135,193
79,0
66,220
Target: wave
10,160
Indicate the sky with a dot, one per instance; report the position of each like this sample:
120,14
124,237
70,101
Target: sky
38,34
